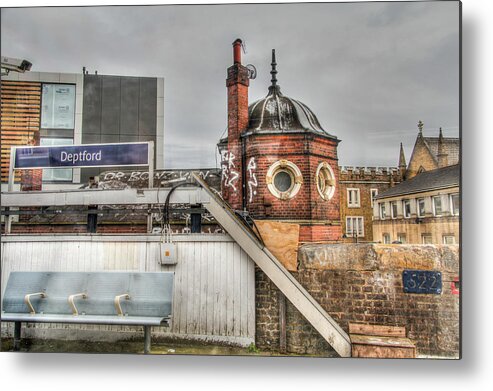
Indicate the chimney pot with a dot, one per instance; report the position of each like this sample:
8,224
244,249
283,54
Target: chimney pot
237,51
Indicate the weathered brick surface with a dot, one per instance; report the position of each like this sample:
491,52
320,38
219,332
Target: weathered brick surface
365,179
363,283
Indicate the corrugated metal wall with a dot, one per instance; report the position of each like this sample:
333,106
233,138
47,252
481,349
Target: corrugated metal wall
214,291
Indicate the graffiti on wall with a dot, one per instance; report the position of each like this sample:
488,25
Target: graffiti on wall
252,179
229,175
162,178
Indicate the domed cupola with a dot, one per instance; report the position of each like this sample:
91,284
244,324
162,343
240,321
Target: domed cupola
277,113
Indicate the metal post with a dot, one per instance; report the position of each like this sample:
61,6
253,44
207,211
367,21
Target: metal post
196,221
151,164
10,188
17,336
150,160
147,339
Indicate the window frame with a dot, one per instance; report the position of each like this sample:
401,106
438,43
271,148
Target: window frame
292,170
426,235
400,235
360,220
392,214
418,210
384,238
324,169
404,202
433,198
451,198
381,208
372,197
448,236
47,170
358,196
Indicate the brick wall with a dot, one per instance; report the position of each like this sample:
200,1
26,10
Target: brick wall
319,218
365,179
363,283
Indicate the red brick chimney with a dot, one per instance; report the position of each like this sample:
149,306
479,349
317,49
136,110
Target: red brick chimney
231,160
32,180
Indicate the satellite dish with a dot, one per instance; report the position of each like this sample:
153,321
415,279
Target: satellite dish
252,71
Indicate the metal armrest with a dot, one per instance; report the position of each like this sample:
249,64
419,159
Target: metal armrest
118,306
27,300
72,304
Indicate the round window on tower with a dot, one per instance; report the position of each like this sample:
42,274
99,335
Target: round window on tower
284,179
326,184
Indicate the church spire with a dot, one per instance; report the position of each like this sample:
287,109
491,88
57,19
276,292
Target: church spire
420,127
442,153
402,163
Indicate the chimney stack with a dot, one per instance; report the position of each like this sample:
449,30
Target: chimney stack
232,184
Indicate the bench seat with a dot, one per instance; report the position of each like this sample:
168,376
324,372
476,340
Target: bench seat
105,298
86,319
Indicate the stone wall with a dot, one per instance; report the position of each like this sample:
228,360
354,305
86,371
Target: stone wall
362,283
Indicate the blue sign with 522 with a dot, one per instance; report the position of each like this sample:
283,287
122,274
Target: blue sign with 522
91,155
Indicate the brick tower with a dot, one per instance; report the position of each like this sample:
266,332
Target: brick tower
286,163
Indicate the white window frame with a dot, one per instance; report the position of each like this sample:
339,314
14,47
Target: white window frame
392,204
452,204
381,207
434,208
408,201
292,170
448,236
418,209
400,235
352,203
353,219
372,196
426,235
384,236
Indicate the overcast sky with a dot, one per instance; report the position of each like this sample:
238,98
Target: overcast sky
369,71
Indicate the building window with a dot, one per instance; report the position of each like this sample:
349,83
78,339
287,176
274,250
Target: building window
325,178
393,209
437,206
373,194
353,198
406,207
383,214
284,179
386,238
57,174
402,238
448,239
58,106
454,204
421,207
426,239
355,227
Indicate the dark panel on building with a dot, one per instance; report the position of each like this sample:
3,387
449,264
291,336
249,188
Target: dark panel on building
91,138
91,108
110,138
147,107
111,105
129,116
125,138
118,109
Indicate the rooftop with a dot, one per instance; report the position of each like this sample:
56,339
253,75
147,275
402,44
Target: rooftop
440,178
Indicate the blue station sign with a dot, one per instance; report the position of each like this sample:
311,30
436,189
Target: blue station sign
90,155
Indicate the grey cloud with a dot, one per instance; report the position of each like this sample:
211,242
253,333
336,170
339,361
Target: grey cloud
369,71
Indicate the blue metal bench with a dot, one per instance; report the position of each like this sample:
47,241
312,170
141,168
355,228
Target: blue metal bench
109,298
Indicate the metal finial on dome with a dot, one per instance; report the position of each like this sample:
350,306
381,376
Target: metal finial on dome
273,72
